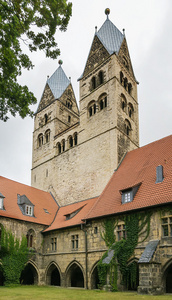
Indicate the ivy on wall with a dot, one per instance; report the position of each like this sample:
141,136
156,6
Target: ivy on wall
14,255
136,225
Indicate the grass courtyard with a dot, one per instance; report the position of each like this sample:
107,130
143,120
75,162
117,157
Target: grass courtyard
49,292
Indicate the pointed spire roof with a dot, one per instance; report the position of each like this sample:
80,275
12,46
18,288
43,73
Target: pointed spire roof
110,36
58,82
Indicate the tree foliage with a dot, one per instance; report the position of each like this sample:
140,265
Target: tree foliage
33,22
14,255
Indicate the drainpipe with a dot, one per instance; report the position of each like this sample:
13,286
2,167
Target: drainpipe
86,254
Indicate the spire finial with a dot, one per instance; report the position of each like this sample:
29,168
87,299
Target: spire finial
123,31
107,12
60,62
95,28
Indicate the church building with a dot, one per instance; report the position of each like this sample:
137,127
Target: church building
97,200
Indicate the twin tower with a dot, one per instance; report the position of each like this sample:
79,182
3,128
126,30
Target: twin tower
76,150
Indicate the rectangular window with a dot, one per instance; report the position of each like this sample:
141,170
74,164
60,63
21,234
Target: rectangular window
121,232
29,210
127,196
74,240
54,244
167,226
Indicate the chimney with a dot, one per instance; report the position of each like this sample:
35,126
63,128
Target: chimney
159,174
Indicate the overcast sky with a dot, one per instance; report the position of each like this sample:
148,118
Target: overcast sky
148,27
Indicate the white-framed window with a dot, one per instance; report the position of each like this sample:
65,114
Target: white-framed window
29,210
1,203
127,196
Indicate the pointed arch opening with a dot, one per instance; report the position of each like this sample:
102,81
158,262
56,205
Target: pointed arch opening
130,110
29,276
59,149
167,277
75,138
123,102
63,145
74,276
53,276
132,275
94,280
91,108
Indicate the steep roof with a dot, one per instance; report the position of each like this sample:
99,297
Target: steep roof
58,82
110,36
45,207
71,215
138,169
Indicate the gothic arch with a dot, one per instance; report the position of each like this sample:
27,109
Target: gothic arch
74,275
30,274
167,276
133,284
53,274
100,78
94,279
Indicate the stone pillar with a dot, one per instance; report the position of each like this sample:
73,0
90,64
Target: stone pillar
150,279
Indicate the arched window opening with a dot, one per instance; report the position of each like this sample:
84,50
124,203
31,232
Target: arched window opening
75,138
130,110
70,142
102,101
29,275
94,107
123,102
63,145
100,77
121,77
40,140
59,148
129,88
69,119
93,81
47,136
30,239
168,279
125,83
45,118
101,104
127,127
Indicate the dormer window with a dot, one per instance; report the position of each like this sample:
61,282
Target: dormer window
129,194
1,201
25,205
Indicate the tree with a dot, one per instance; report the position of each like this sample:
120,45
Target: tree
34,22
14,255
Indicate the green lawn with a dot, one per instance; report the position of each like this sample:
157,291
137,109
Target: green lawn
41,293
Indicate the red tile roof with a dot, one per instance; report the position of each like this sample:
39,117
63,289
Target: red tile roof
138,166
40,199
60,220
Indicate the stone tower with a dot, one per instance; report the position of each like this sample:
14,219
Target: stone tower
75,154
